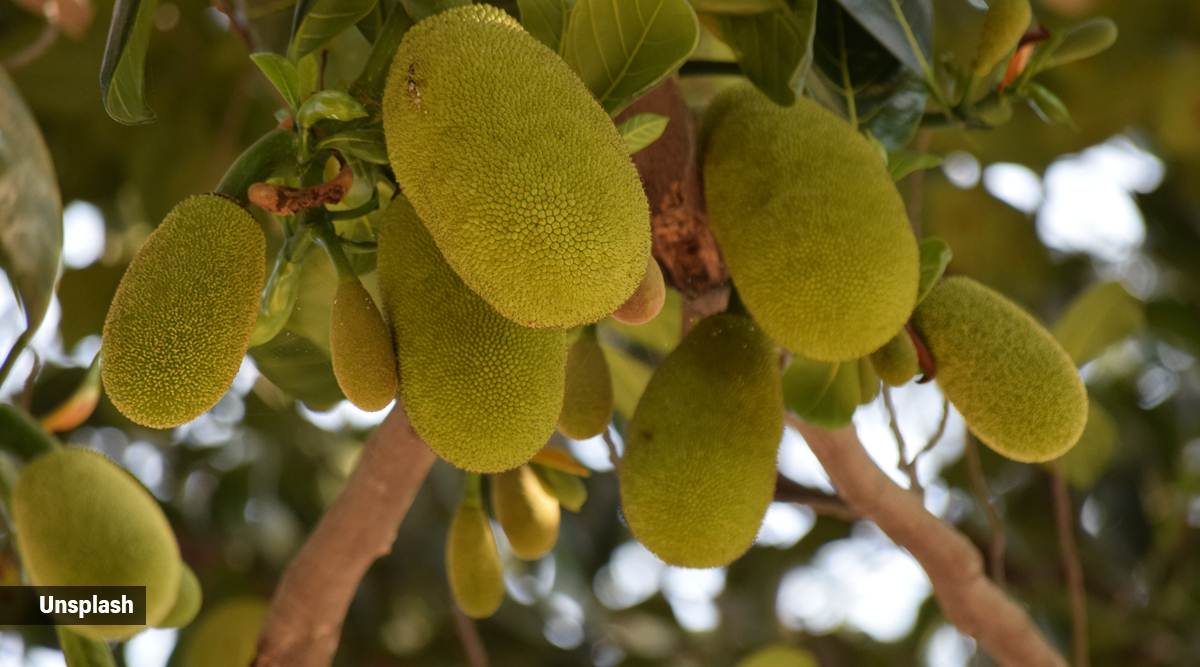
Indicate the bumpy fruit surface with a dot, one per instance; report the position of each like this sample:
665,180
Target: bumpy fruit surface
647,300
472,562
187,600
364,360
779,656
1003,25
227,635
180,321
588,401
483,392
1015,386
827,263
81,520
699,466
551,234
896,362
528,512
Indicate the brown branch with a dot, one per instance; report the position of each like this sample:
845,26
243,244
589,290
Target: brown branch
1069,553
237,22
468,636
305,620
910,469
974,604
286,200
787,491
983,496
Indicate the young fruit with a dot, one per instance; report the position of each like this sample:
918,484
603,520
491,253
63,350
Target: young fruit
896,362
647,300
779,655
227,635
827,263
699,465
550,234
1015,386
81,520
364,360
528,512
472,562
588,400
180,321
1003,26
187,600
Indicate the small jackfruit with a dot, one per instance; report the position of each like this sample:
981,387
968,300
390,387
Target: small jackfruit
1003,26
647,300
180,321
528,512
81,520
226,635
364,360
779,655
472,562
187,600
699,466
483,392
896,362
826,264
836,403
550,237
868,382
1015,386
588,399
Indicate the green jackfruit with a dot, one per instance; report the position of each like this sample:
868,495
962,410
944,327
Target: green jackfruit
1003,26
1015,386
779,655
180,321
227,635
483,392
826,264
868,382
187,600
699,466
81,520
472,562
896,362
551,235
588,401
647,300
528,512
364,360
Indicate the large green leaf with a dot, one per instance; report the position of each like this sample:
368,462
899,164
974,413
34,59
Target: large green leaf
300,367
774,49
323,21
879,18
546,19
1105,314
282,74
123,70
935,257
622,49
641,130
80,651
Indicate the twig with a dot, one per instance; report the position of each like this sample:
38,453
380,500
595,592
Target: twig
286,200
787,491
1069,552
909,468
933,439
468,635
983,496
975,605
614,457
34,50
306,615
237,22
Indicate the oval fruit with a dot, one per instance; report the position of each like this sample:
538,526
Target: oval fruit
528,513
473,563
227,635
588,399
364,361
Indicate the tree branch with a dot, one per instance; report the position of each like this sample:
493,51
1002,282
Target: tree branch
305,620
787,491
1069,552
968,599
983,496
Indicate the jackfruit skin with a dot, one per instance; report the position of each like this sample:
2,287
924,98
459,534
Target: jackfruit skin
187,600
474,113
779,655
364,360
826,264
473,563
81,520
588,399
528,512
647,300
699,466
179,324
227,635
483,392
1003,26
896,362
1015,386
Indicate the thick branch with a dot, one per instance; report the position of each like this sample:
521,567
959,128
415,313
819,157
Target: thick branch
969,600
305,620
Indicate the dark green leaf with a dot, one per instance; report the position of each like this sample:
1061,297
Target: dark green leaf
1083,464
365,144
299,367
546,19
282,74
935,257
323,21
1103,315
421,9
123,70
742,7
374,74
329,105
1176,322
892,112
774,49
903,162
804,383
641,130
80,651
879,18
835,407
21,436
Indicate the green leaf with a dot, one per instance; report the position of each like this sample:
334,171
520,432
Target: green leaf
371,80
1176,322
935,257
1083,464
282,74
1049,106
329,105
804,383
546,19
569,490
892,113
903,162
1103,315
742,7
21,436
836,406
879,18
123,70
630,377
81,651
774,49
622,49
1082,41
422,9
300,367
323,21
366,144
641,130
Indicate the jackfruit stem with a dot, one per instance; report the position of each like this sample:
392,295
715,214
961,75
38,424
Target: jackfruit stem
263,159
22,436
472,490
333,247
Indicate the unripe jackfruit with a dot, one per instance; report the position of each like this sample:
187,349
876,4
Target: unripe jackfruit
699,466
779,655
528,512
647,300
227,635
896,362
472,562
551,235
1015,386
481,391
180,321
187,600
364,360
588,400
81,520
1003,26
826,264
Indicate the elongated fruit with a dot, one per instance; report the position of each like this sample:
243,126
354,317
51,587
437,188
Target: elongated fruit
472,562
364,360
588,401
1015,386
180,321
699,467
528,512
227,635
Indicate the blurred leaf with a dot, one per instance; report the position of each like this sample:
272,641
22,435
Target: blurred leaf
323,20
1081,41
570,491
622,49
282,74
300,367
661,334
558,458
774,49
893,114
641,130
629,377
546,19
21,436
366,144
1083,464
879,18
1049,106
735,6
329,105
804,383
1103,315
64,398
868,381
421,9
80,651
841,398
1176,322
903,162
123,71
935,257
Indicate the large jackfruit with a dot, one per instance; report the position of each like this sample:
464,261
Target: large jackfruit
472,561
528,512
699,466
180,321
483,392
364,361
811,226
1015,386
588,400
227,635
81,520
476,113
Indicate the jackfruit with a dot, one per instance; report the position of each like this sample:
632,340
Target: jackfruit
896,362
826,264
187,600
647,300
364,361
1015,386
528,512
1003,26
549,236
699,466
588,399
180,321
81,520
779,655
483,392
472,562
227,635
868,382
